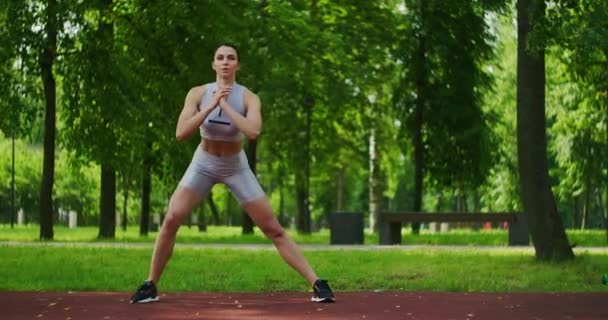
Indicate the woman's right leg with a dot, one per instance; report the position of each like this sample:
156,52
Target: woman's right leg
181,204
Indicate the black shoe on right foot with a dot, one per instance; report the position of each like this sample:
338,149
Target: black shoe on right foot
322,292
145,293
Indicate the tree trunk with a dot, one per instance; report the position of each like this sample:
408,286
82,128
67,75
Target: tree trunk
125,201
47,59
545,224
605,213
303,224
461,202
303,178
586,204
600,206
228,206
13,132
303,219
107,214
440,200
603,209
146,187
202,220
282,218
372,182
421,89
247,224
476,201
214,213
575,211
340,190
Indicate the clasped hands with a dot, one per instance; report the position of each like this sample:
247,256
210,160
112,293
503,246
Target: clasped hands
220,97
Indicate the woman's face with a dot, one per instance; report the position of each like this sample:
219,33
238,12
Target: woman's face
225,62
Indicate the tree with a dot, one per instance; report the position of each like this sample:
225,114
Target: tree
501,191
439,94
417,77
352,105
579,32
47,60
37,51
100,99
546,228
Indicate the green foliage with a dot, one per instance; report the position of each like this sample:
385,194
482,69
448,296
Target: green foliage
77,189
501,191
27,178
581,27
578,32
457,140
19,84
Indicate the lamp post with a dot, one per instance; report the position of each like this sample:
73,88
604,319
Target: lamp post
14,119
13,170
13,133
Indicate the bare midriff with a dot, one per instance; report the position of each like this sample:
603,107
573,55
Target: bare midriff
221,148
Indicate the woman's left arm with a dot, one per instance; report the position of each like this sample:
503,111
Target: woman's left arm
250,125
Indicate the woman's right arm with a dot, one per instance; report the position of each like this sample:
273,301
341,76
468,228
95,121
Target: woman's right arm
191,118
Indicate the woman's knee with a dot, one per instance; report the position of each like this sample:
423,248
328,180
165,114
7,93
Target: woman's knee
260,212
172,221
180,205
273,231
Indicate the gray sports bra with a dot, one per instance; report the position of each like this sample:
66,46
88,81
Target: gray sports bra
218,126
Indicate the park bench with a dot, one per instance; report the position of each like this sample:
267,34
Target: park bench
390,223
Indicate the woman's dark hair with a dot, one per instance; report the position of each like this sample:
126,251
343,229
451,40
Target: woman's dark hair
230,45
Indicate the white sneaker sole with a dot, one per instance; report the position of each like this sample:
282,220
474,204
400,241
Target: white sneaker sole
147,300
315,299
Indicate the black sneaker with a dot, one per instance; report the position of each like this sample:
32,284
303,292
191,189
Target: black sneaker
322,293
145,293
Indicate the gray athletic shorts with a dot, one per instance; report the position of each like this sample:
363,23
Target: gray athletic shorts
206,170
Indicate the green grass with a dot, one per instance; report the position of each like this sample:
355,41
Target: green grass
63,268
232,235
494,237
214,234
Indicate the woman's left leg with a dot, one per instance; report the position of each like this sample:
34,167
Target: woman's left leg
261,213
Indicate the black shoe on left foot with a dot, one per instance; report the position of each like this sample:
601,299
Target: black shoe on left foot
145,293
322,292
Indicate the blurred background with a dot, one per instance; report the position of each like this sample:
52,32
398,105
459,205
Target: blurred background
368,106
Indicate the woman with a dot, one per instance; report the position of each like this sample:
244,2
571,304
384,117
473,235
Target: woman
223,111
